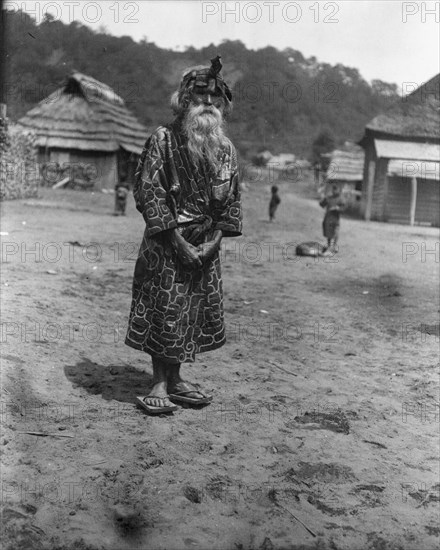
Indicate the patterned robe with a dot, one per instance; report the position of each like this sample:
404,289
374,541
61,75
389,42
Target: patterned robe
177,312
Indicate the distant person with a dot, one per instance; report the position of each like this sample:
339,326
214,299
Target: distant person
333,204
121,193
317,171
274,202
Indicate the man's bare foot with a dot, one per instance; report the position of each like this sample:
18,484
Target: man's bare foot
184,392
176,383
158,396
157,401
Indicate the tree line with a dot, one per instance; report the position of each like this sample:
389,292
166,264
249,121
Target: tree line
283,101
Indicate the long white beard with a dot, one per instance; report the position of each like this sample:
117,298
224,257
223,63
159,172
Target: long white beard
204,128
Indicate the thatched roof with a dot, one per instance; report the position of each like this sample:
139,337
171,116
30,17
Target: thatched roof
346,164
407,150
85,114
416,115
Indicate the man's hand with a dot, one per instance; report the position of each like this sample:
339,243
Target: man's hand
189,255
186,252
209,249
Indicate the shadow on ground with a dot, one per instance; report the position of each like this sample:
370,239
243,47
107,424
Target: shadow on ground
118,382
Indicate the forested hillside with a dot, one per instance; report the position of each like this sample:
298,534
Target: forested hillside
282,99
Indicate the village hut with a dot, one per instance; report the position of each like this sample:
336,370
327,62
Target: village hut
262,158
345,170
282,161
85,135
402,160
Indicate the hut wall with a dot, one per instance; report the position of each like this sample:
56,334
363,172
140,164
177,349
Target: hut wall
54,164
61,156
379,190
398,200
428,201
42,155
89,169
101,168
369,164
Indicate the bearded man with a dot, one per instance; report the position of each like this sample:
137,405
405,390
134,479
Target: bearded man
188,193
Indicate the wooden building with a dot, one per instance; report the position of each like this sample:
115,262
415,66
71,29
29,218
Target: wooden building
402,158
345,170
85,134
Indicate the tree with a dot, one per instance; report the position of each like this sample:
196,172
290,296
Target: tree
385,89
323,143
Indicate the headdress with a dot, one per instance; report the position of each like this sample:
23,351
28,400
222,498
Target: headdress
207,77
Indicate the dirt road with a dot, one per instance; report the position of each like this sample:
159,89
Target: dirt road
323,433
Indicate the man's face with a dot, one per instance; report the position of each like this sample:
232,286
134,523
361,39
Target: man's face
201,96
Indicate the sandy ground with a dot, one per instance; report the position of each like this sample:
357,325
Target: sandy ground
325,393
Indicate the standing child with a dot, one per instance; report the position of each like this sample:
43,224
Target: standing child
121,192
274,202
333,204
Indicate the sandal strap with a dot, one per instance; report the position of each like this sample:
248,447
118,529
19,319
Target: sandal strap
183,393
183,388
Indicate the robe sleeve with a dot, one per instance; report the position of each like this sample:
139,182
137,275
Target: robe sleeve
151,186
230,218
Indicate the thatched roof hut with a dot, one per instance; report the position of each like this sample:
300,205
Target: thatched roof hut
415,116
88,131
346,164
402,157
346,171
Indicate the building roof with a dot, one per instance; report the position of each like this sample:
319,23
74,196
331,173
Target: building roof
407,150
85,114
346,164
415,115
414,169
282,160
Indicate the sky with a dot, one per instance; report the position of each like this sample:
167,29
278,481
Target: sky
394,41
